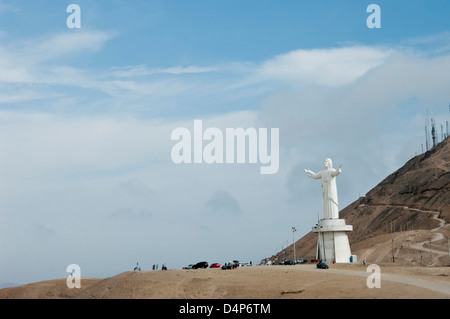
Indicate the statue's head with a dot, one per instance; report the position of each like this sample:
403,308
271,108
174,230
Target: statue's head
328,163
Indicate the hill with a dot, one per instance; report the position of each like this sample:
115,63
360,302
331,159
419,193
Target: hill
406,216
253,282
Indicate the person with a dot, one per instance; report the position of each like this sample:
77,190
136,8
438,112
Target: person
329,189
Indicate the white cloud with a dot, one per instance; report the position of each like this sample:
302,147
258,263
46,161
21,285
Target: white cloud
144,70
330,67
7,7
34,61
64,44
371,124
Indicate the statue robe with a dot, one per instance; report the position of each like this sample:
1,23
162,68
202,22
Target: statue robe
329,192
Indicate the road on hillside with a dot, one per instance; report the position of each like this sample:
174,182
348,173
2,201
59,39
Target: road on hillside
439,286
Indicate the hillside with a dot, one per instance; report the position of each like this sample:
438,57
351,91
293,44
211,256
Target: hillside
406,215
255,282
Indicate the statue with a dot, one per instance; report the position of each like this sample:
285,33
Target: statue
329,189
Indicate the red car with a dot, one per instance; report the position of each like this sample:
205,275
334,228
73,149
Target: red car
215,265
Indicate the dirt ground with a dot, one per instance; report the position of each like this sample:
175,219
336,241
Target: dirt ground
343,281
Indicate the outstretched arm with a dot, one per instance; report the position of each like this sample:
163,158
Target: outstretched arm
312,174
338,171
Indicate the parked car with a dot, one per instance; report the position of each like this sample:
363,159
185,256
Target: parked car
189,266
201,264
301,261
288,262
215,265
322,265
229,265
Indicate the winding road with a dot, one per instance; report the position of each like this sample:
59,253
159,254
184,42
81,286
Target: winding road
436,234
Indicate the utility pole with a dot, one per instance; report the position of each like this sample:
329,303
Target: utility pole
393,260
431,259
448,244
293,241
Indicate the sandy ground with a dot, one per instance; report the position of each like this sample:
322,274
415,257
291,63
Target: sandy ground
257,282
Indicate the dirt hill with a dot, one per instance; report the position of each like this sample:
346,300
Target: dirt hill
407,215
255,282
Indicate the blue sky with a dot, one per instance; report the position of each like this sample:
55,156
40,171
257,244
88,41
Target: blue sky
86,117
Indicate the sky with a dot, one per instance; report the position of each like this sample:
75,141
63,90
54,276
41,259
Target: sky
86,117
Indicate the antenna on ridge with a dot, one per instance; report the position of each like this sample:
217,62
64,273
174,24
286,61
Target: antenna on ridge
446,135
433,132
426,132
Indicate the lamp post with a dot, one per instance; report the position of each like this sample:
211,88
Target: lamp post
293,240
393,258
448,242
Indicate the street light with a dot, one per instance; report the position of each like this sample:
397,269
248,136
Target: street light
293,240
393,258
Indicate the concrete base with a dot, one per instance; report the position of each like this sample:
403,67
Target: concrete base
332,243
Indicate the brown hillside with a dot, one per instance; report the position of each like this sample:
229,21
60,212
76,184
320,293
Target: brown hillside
411,206
255,282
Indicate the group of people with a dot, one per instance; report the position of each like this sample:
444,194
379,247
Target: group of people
155,267
164,267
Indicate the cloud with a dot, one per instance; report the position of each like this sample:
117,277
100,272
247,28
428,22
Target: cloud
135,187
73,147
130,214
35,61
7,8
372,124
63,45
222,203
42,232
329,67
143,70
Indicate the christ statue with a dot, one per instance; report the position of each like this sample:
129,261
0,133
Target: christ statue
329,189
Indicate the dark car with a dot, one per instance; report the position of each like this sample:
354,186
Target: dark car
288,262
202,264
230,265
322,265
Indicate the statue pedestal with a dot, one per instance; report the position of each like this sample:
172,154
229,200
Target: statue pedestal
332,242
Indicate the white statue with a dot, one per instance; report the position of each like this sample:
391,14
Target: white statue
329,189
